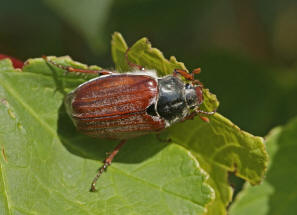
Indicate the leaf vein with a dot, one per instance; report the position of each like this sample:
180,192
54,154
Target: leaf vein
5,188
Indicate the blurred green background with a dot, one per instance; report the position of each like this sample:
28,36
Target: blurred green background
247,49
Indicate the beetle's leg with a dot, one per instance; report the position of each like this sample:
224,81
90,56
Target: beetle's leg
197,82
132,64
106,163
190,116
71,69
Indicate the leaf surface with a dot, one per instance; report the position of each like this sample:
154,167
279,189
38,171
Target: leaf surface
43,154
46,167
278,193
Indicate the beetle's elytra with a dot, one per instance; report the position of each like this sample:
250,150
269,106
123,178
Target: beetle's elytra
126,105
115,106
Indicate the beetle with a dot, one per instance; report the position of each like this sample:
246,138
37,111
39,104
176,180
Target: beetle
127,105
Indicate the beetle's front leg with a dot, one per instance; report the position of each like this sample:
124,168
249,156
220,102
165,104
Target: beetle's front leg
106,163
71,69
193,114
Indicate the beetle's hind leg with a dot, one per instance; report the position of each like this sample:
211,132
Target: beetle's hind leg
132,65
71,69
106,163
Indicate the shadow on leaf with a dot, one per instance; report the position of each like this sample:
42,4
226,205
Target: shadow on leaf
136,150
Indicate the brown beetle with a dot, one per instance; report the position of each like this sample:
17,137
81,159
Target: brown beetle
126,105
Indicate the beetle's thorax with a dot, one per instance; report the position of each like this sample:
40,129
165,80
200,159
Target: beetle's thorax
175,99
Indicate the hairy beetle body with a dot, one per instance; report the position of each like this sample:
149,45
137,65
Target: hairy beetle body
127,105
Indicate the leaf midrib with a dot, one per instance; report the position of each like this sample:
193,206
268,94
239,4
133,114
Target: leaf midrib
5,188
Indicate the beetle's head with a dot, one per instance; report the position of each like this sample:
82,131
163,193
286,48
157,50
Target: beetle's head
194,95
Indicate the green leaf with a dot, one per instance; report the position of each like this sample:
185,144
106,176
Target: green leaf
142,53
43,154
219,146
46,167
278,193
118,51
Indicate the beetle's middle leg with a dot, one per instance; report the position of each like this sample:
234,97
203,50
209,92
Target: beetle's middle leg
71,69
106,163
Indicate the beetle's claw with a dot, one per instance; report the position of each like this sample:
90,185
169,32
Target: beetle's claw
93,188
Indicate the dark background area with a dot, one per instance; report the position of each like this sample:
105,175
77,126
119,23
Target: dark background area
247,49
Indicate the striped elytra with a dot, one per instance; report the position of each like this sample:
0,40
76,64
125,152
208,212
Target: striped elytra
115,106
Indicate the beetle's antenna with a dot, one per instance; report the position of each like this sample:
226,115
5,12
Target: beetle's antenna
205,112
107,163
198,112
